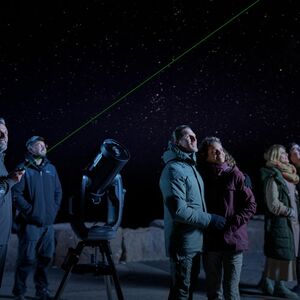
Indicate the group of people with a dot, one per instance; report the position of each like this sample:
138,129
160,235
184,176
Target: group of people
208,202
34,190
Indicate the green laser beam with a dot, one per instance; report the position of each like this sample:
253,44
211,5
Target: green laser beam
152,76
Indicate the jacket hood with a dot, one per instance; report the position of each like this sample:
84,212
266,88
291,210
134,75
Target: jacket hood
174,153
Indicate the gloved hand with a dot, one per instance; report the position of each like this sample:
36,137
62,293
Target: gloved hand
217,222
34,220
291,214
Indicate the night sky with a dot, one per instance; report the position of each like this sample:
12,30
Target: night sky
63,62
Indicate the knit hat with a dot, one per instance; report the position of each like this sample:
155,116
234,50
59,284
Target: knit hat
33,140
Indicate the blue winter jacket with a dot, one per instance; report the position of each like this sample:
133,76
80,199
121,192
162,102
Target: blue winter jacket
184,207
38,195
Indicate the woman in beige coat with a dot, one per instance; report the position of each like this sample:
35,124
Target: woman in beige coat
279,179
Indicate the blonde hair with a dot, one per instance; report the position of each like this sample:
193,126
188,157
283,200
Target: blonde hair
272,154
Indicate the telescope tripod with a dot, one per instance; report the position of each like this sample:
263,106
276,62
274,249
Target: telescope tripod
104,267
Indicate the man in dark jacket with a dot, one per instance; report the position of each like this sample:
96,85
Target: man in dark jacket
6,183
37,198
185,214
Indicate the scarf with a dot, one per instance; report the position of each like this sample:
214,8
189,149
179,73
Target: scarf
218,169
287,170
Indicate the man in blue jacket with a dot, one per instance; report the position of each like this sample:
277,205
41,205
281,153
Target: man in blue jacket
37,198
6,183
185,215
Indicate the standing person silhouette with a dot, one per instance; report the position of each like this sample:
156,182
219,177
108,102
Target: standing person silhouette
37,197
185,214
279,179
227,195
7,181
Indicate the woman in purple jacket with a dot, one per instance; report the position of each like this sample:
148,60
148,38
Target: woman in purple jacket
226,195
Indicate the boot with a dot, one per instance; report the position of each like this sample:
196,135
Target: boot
280,290
296,289
267,286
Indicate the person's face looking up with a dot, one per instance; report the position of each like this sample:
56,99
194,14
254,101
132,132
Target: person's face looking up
295,155
283,156
3,138
215,153
188,140
38,149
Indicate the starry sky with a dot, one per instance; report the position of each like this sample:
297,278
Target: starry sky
62,63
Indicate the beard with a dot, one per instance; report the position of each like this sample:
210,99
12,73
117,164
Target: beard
39,155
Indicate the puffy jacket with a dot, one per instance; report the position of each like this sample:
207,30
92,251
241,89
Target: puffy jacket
184,207
227,195
279,240
5,203
38,195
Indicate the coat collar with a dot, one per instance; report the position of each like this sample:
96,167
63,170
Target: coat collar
31,162
174,153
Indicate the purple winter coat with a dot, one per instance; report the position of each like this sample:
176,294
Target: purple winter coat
227,195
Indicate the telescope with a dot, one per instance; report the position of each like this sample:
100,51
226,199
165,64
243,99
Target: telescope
101,185
101,182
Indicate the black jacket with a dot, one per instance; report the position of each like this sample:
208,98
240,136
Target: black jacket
5,203
38,195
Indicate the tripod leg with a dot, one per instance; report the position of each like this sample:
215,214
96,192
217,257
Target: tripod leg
107,252
62,284
107,281
73,257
